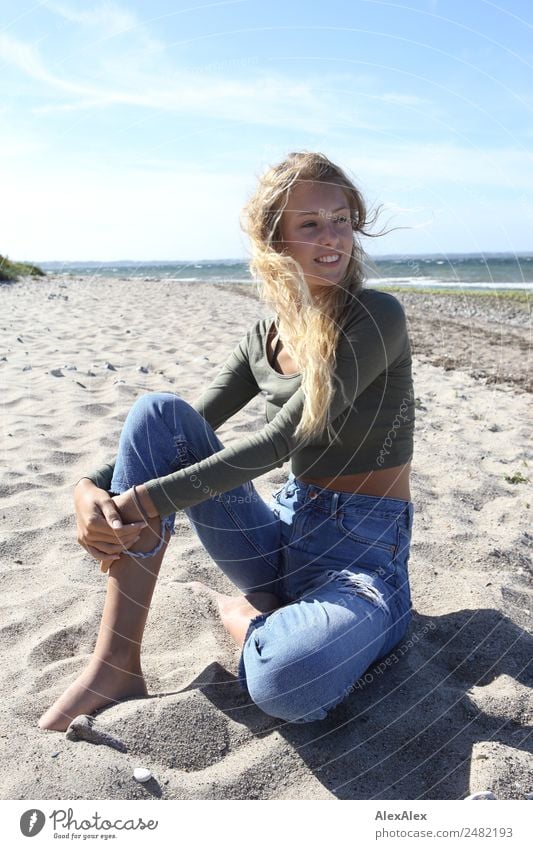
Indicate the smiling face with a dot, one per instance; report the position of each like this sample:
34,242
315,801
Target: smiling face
316,231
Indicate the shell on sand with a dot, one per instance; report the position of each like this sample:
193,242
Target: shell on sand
142,774
83,728
482,794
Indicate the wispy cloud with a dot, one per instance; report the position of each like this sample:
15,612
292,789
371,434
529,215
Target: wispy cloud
283,102
446,165
106,21
27,59
140,72
314,104
110,18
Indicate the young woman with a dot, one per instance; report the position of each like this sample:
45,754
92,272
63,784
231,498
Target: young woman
322,568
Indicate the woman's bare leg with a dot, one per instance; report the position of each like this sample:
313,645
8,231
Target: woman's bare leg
114,670
236,612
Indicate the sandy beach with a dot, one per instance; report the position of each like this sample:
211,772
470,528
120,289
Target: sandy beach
448,713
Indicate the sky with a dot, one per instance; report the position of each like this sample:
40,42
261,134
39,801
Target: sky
137,130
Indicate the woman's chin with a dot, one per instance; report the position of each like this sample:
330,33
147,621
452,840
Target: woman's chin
318,285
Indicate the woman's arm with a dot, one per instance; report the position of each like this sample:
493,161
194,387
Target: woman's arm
374,336
231,389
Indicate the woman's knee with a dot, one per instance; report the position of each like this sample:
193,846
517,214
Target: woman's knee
281,684
158,404
156,412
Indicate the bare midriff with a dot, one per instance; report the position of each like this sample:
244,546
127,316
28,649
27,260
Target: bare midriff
385,483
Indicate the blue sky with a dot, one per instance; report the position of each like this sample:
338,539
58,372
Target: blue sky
136,130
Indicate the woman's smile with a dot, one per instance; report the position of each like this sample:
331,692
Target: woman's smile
328,259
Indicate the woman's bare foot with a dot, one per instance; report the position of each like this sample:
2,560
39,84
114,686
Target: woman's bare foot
100,684
222,602
236,612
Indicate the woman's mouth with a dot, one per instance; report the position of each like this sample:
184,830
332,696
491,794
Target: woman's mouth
328,259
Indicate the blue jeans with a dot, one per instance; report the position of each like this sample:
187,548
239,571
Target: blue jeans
336,560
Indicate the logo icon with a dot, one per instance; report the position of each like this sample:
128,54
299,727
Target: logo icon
32,822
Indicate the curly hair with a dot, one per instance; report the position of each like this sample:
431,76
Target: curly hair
310,325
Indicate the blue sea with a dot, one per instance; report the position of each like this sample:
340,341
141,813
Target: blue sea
454,271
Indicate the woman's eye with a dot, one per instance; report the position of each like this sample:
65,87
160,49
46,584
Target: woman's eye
342,219
309,224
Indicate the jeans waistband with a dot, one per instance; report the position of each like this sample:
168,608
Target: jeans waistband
331,501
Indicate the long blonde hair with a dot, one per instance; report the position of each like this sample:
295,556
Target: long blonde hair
310,326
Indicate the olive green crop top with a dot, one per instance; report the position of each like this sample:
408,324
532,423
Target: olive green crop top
371,414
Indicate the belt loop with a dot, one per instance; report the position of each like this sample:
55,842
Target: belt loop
334,503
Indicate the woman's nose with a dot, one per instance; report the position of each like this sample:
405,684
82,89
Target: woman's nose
329,234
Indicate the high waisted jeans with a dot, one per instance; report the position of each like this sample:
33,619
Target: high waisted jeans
336,560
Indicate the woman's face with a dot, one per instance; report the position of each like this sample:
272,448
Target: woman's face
316,231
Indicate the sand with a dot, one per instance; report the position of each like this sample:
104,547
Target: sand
452,712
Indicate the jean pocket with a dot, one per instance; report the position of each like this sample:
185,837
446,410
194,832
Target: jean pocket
370,542
404,547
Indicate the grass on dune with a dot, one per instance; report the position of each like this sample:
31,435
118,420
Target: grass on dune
10,270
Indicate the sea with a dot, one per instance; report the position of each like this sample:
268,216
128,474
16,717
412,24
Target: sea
484,272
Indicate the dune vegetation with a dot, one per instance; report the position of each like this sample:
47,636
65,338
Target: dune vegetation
10,270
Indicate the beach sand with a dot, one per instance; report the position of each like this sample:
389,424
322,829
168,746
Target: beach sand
449,715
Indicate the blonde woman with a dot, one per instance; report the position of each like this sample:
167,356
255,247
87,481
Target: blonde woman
322,568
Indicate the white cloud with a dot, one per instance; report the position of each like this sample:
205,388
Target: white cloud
110,18
26,58
152,206
138,211
438,164
268,99
134,214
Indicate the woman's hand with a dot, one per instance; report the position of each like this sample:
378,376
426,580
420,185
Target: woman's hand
135,505
100,528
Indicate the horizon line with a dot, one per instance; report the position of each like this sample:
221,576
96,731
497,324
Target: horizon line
245,261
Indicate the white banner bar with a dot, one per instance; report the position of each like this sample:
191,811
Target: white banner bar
307,824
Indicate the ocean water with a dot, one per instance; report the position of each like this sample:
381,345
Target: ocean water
457,271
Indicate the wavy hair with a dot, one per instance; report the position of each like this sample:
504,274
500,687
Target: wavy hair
310,325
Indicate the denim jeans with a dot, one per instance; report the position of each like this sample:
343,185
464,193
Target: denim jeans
336,560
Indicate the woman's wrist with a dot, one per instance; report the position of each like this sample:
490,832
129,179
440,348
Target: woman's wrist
146,502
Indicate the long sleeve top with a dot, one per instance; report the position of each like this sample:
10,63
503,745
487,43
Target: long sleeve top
371,417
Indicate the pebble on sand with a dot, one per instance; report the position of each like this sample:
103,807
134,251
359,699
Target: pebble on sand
142,774
83,728
483,794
